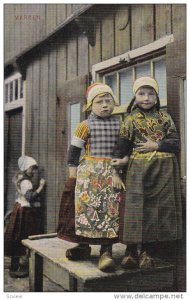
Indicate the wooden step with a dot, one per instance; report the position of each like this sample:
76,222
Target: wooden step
85,276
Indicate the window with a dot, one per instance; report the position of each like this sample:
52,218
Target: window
74,119
120,71
14,98
14,92
121,81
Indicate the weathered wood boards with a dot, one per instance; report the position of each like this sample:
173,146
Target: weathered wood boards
85,276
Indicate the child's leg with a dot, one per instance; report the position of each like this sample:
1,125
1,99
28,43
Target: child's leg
130,260
14,263
106,262
23,269
79,252
18,270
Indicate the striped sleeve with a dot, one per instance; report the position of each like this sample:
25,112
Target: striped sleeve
81,135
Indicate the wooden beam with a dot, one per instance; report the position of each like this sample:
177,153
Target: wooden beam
42,236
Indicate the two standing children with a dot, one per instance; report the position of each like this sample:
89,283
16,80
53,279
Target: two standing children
152,208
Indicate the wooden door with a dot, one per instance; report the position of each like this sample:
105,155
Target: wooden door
13,150
71,92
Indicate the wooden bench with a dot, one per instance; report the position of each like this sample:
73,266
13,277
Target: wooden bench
47,257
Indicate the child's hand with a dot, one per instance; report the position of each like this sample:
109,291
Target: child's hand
72,172
41,186
119,162
117,182
148,146
42,182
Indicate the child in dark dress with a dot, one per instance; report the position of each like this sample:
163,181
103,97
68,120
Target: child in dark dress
152,208
26,216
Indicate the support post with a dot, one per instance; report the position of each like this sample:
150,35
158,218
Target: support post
35,272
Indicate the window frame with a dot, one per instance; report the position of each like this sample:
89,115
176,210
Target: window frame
151,52
117,61
133,67
69,119
16,103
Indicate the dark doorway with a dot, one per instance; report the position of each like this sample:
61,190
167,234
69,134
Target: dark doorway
13,150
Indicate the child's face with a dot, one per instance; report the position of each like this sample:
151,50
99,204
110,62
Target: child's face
32,171
146,98
103,105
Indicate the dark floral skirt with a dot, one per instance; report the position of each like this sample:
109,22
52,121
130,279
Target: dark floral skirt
66,224
24,221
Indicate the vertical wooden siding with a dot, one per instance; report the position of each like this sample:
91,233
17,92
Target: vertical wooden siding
179,21
23,33
72,44
108,32
125,27
61,144
176,60
163,21
28,110
142,24
51,128
51,17
148,22
83,59
35,109
122,29
95,52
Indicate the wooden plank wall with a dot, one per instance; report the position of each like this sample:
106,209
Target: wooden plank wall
68,59
22,31
176,71
122,29
163,21
142,24
148,22
108,32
